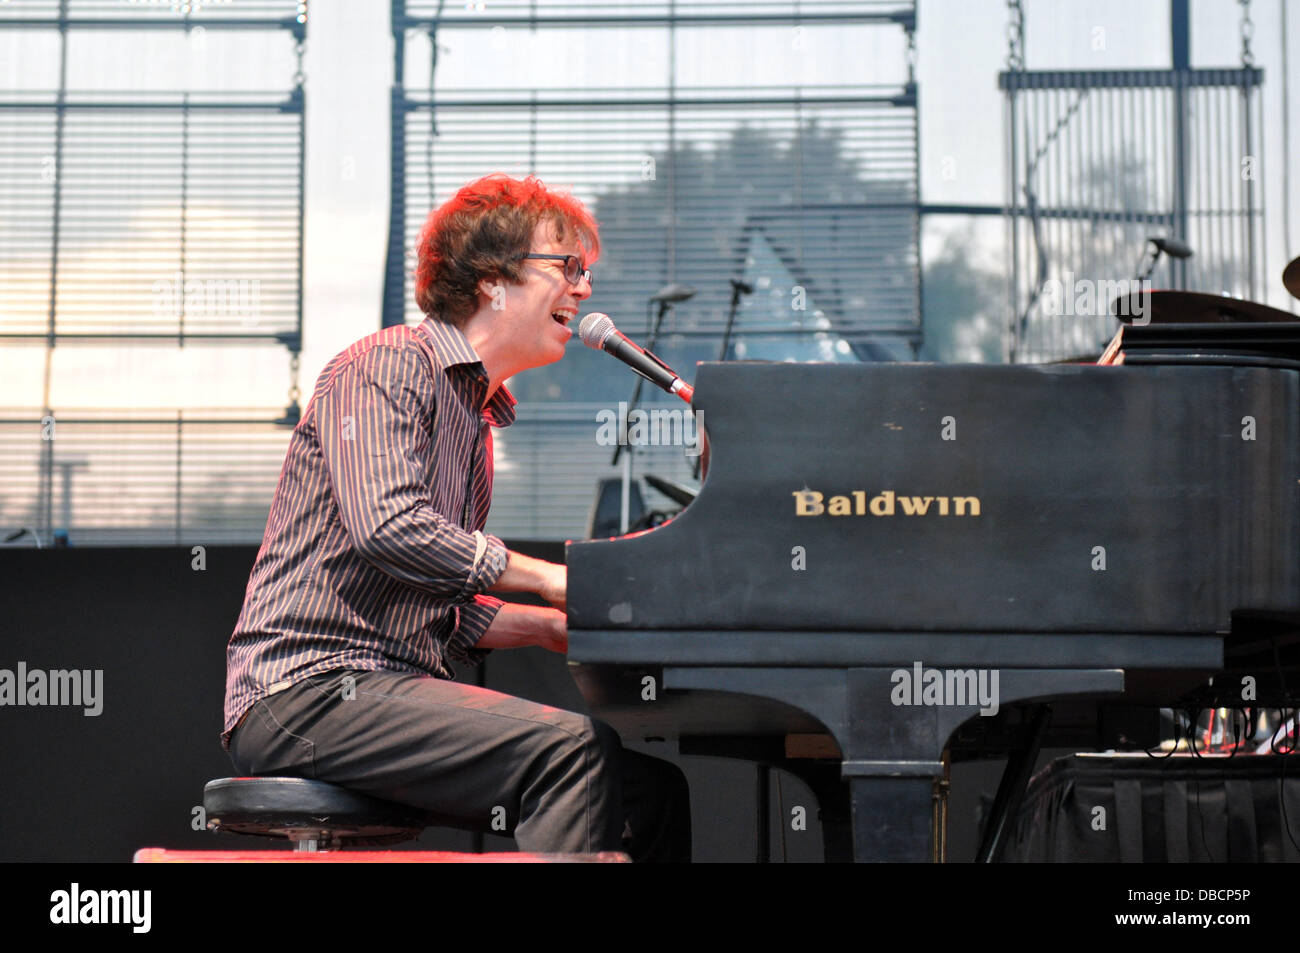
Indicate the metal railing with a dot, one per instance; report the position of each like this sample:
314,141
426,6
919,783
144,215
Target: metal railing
1100,160
163,216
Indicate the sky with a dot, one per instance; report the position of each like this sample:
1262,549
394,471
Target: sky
348,67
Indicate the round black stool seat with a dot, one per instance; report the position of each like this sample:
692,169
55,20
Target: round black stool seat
309,813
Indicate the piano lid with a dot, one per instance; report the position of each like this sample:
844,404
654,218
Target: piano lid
908,497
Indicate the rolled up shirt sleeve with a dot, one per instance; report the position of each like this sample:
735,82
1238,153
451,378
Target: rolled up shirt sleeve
472,620
375,431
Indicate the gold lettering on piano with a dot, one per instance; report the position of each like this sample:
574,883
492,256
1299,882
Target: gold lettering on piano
885,503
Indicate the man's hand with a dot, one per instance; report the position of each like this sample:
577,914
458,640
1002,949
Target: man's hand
516,626
526,574
555,585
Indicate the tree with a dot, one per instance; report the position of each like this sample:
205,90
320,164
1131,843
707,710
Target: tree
692,215
964,306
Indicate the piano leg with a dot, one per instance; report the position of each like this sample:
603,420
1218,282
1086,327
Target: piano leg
833,805
822,777
866,819
892,752
892,819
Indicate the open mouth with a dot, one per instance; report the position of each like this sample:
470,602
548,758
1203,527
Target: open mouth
561,317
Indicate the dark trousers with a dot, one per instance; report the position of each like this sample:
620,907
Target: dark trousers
481,760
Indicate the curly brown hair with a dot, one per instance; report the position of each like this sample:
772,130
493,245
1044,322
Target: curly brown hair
481,232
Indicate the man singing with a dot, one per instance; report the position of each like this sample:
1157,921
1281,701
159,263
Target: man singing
373,569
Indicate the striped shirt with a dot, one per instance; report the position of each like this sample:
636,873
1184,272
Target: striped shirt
374,556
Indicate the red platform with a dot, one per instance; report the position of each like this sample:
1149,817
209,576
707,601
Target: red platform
160,855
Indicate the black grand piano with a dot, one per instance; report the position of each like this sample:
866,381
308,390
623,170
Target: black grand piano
885,560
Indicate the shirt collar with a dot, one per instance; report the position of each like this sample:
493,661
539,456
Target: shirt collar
450,343
454,350
500,410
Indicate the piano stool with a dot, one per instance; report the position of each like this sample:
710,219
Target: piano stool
320,820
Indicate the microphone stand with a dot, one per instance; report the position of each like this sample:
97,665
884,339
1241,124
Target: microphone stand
667,296
738,288
652,337
1155,257
625,499
1172,247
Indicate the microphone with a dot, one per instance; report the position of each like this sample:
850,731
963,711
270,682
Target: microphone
597,331
1172,247
674,294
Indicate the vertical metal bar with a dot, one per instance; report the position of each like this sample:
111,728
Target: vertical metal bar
1013,220
1055,113
1042,118
1134,231
1205,212
184,250
1205,266
1222,198
1225,196
300,95
1151,139
1026,226
915,129
1030,247
916,222
1165,277
1254,127
1041,336
1034,342
1211,238
46,515
1196,205
797,150
1067,328
1074,155
1180,39
1115,160
671,232
1234,167
1147,144
1165,105
1128,201
1287,248
1124,232
1207,136
179,440
1024,289
394,300
1206,233
1069,224
1088,122
1171,172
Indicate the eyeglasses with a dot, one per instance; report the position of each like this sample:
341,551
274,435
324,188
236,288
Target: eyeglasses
574,272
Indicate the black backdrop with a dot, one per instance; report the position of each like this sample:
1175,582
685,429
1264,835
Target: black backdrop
79,788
